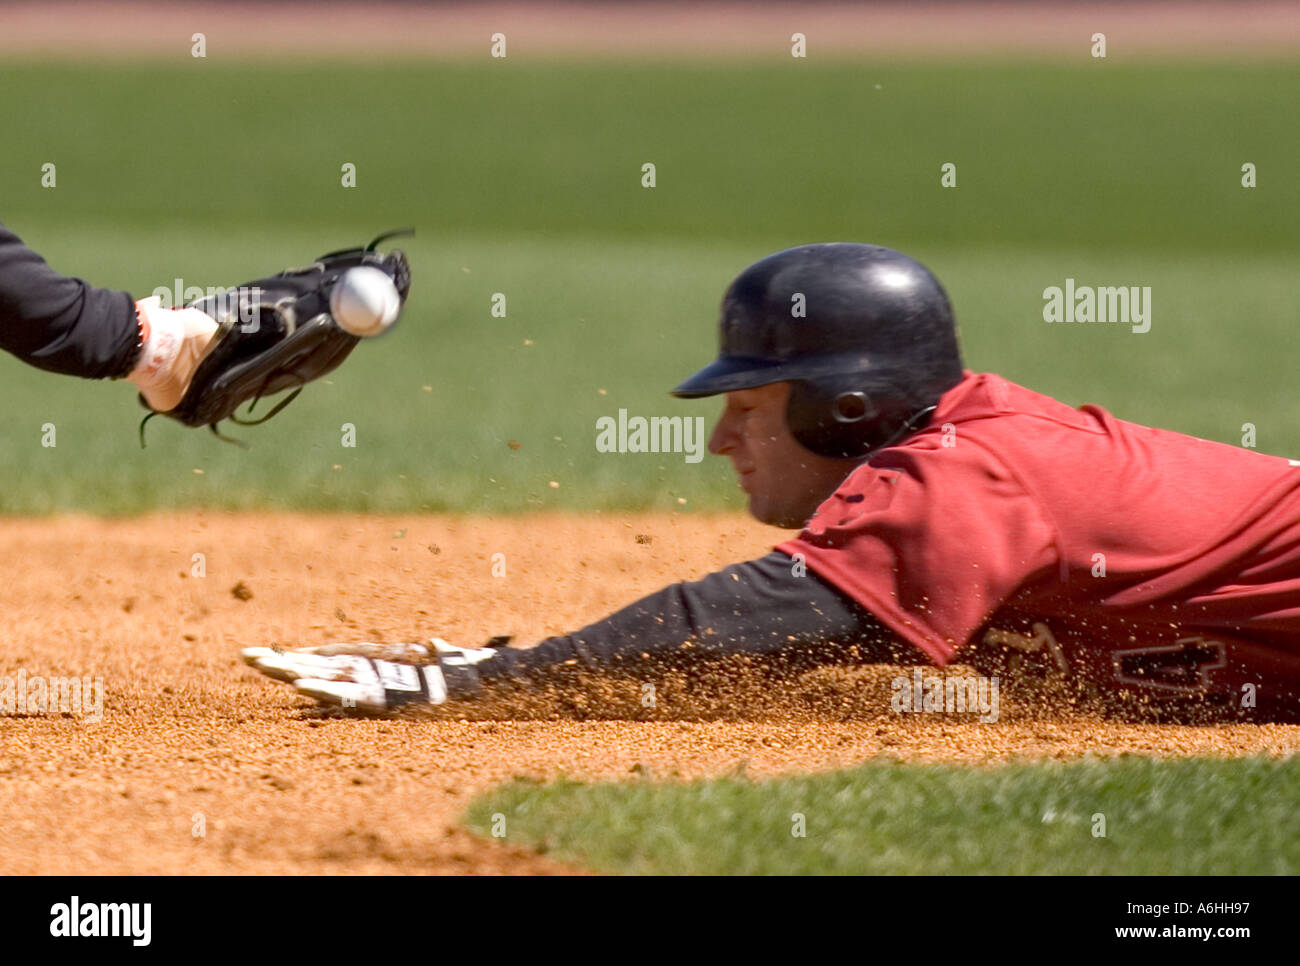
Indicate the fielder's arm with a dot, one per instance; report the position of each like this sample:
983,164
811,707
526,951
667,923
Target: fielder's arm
63,324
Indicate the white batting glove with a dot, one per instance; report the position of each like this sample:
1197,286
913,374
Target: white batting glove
375,678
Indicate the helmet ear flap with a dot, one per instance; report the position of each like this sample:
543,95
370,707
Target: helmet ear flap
836,417
846,417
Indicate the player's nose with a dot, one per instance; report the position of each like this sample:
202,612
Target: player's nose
723,439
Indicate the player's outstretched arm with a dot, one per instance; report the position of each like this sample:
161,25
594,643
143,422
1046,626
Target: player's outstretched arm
759,608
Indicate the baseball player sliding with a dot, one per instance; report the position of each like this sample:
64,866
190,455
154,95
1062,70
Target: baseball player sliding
197,363
947,516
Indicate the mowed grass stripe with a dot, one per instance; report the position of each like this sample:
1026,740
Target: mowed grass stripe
1092,155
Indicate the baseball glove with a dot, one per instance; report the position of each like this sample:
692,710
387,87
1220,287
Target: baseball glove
275,334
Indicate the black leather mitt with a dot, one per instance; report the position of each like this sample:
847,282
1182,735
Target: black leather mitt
276,334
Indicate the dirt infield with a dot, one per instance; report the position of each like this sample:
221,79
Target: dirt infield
191,740
148,28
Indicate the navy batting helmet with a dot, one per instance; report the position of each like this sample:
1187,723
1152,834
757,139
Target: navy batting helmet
864,334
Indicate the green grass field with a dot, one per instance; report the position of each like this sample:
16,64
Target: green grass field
524,178
1188,817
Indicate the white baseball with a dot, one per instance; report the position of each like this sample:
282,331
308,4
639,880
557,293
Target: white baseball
365,301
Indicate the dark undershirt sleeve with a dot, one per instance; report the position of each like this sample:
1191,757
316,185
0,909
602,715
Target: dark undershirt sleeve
759,608
62,324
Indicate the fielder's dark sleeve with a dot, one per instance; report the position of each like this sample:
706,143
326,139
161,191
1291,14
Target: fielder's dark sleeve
760,608
62,324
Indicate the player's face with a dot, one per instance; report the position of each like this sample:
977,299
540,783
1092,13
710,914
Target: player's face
785,482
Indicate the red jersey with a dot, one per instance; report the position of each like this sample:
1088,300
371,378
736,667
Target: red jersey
1157,561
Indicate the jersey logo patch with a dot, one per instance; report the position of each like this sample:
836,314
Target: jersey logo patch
1182,667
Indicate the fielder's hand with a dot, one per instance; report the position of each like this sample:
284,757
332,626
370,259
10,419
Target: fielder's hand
375,678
